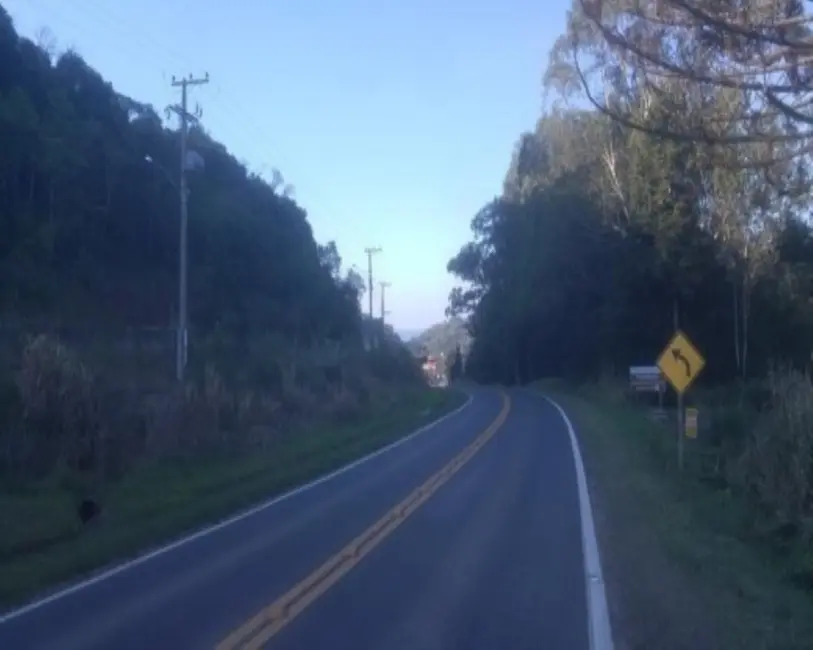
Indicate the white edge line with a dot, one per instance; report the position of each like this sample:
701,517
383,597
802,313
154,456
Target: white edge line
599,629
120,568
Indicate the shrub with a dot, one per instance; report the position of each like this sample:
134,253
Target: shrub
776,466
342,406
61,412
63,420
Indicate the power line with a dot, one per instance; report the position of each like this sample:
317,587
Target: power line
186,117
143,45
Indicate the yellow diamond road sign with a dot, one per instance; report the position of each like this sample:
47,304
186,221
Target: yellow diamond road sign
680,362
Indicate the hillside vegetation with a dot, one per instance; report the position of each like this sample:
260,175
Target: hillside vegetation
442,338
89,259
89,202
89,405
680,199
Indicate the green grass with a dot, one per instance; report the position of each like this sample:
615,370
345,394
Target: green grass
719,581
154,504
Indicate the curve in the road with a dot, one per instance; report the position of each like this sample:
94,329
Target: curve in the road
598,616
256,632
504,555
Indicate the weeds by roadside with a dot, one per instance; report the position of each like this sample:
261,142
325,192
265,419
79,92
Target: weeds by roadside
696,562
161,458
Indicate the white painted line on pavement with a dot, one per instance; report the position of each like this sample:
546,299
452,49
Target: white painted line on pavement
599,630
109,573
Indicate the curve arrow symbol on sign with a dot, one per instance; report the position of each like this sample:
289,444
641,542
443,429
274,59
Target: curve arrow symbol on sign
678,355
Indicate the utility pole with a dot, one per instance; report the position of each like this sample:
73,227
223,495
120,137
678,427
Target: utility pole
186,117
384,286
370,252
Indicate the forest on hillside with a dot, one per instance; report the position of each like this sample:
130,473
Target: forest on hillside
89,207
89,259
669,185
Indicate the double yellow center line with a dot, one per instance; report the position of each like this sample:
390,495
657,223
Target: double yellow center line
255,632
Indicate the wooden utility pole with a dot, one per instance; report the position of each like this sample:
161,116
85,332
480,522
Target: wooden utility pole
384,286
186,118
372,250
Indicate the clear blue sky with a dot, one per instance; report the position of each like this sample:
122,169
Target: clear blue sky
395,121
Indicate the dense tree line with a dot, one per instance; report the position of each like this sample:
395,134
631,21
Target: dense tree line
619,222
90,219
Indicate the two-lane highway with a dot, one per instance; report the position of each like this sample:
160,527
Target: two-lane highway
466,535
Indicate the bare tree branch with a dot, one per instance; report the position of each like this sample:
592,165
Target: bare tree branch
721,74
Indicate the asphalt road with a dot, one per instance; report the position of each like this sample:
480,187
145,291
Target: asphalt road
465,536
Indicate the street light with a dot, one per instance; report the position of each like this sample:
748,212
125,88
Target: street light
167,176
192,162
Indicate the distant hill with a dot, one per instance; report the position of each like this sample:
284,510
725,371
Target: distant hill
441,338
408,334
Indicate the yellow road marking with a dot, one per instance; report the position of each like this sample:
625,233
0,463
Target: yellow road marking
255,632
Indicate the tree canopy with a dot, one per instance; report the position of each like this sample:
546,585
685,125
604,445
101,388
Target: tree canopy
716,73
605,238
89,210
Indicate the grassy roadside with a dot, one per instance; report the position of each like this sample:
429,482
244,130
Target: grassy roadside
683,564
155,504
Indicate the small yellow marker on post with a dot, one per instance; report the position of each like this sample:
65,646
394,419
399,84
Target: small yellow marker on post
691,422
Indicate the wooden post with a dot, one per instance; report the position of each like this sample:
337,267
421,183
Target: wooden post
680,414
681,420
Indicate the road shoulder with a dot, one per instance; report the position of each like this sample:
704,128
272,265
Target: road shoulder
678,569
163,503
